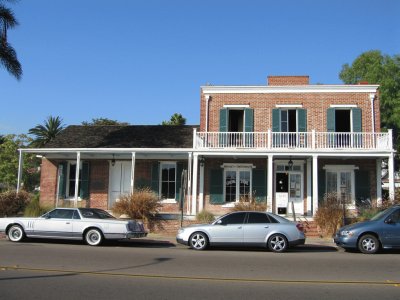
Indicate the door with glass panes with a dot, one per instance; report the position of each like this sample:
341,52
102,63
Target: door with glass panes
237,184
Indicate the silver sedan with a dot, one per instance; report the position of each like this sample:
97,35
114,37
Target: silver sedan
260,229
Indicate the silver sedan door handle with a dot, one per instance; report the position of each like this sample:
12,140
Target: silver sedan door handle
68,223
266,226
240,227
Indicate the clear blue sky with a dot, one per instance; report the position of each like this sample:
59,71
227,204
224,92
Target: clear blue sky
142,61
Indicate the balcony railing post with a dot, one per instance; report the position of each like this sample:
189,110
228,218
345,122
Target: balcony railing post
194,137
269,139
390,137
313,138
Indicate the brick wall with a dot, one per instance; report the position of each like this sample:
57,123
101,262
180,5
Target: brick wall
288,80
99,182
316,105
48,182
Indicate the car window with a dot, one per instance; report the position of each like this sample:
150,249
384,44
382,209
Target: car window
235,218
257,218
61,214
76,215
93,213
395,216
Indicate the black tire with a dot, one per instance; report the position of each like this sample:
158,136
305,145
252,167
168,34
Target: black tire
93,237
368,244
198,241
277,243
16,233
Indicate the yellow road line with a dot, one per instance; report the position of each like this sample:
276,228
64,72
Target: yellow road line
245,280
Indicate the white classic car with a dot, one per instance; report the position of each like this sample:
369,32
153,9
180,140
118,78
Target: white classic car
89,224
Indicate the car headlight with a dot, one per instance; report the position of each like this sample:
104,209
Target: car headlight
181,230
346,233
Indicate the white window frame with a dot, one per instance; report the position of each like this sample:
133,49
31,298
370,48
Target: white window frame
169,200
343,168
237,168
69,163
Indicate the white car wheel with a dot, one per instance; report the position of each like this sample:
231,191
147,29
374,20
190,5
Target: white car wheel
198,241
93,237
277,243
16,233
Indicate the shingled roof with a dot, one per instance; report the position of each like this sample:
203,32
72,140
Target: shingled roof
135,136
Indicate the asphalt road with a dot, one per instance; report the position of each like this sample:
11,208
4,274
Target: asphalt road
145,269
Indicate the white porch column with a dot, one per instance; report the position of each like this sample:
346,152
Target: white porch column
77,170
379,182
189,192
133,171
309,187
391,177
194,187
315,183
270,180
201,187
20,164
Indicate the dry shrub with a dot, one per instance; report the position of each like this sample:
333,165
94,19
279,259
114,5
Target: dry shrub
35,209
366,213
249,203
329,216
205,217
13,203
142,204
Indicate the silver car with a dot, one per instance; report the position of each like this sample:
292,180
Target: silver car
89,224
244,229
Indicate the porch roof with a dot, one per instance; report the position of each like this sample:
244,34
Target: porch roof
135,136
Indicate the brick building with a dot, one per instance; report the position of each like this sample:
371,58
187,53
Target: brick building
286,143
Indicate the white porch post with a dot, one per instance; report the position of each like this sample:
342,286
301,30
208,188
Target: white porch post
309,187
20,163
391,177
379,182
201,187
133,171
189,192
270,180
77,170
315,183
194,187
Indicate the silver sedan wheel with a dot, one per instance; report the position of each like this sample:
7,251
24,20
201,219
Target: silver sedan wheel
16,233
93,237
277,243
198,241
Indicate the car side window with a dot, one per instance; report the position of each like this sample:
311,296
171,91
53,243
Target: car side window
76,215
258,218
61,214
235,218
395,216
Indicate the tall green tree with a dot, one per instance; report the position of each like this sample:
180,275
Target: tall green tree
9,157
47,132
103,121
377,68
176,119
8,56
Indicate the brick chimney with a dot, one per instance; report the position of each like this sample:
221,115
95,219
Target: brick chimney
288,80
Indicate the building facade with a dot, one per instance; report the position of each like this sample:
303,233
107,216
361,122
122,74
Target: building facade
287,143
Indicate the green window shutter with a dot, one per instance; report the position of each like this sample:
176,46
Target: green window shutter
330,120
248,126
321,185
155,177
217,186
302,120
362,188
84,184
223,120
179,169
260,184
357,121
62,180
276,120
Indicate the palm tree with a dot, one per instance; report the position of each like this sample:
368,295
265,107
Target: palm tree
176,119
8,56
47,132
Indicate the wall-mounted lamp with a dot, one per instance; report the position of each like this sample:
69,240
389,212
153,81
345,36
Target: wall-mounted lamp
290,164
202,161
113,161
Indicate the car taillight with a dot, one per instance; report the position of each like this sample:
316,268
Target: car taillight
300,227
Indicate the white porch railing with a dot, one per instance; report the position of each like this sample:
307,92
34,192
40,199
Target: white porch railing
293,140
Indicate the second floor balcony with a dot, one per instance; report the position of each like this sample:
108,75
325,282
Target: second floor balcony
294,140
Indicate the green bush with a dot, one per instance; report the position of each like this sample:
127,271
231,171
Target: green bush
13,203
34,208
205,217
